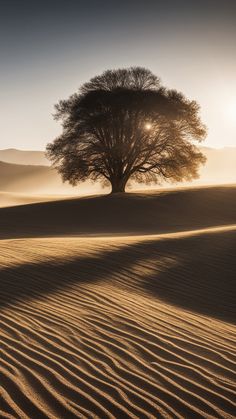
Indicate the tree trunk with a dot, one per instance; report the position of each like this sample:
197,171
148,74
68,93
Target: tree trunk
118,185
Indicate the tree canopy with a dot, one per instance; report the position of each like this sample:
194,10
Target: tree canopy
123,125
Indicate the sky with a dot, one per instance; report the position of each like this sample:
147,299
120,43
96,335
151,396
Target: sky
48,48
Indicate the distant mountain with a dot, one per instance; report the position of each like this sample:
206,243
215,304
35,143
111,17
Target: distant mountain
11,155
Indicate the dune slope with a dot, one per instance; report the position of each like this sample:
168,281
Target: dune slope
13,199
140,213
139,326
36,179
27,178
32,157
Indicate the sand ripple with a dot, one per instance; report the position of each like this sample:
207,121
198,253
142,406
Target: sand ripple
116,328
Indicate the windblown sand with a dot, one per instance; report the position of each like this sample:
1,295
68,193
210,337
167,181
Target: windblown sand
139,326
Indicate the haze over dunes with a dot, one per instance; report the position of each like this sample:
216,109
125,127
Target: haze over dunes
28,157
28,173
124,324
35,183
220,166
27,178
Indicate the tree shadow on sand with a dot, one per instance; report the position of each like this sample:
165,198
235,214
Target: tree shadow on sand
196,273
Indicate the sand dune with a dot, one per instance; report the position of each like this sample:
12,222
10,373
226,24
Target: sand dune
27,157
118,327
13,199
142,213
113,326
31,180
38,180
22,178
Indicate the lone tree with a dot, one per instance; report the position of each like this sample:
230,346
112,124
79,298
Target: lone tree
123,125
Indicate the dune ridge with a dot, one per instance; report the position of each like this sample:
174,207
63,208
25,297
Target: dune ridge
139,326
135,213
13,199
24,157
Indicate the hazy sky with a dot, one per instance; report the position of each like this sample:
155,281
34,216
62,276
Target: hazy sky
49,47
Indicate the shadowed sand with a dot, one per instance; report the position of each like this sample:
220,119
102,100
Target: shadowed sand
137,326
140,213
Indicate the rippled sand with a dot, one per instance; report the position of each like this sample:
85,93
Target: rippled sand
137,326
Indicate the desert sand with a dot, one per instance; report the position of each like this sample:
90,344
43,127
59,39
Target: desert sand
119,307
8,199
31,180
24,157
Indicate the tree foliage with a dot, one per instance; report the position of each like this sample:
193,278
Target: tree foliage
123,125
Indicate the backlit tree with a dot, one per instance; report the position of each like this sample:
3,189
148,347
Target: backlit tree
122,126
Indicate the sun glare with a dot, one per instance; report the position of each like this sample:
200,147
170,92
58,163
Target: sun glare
148,126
